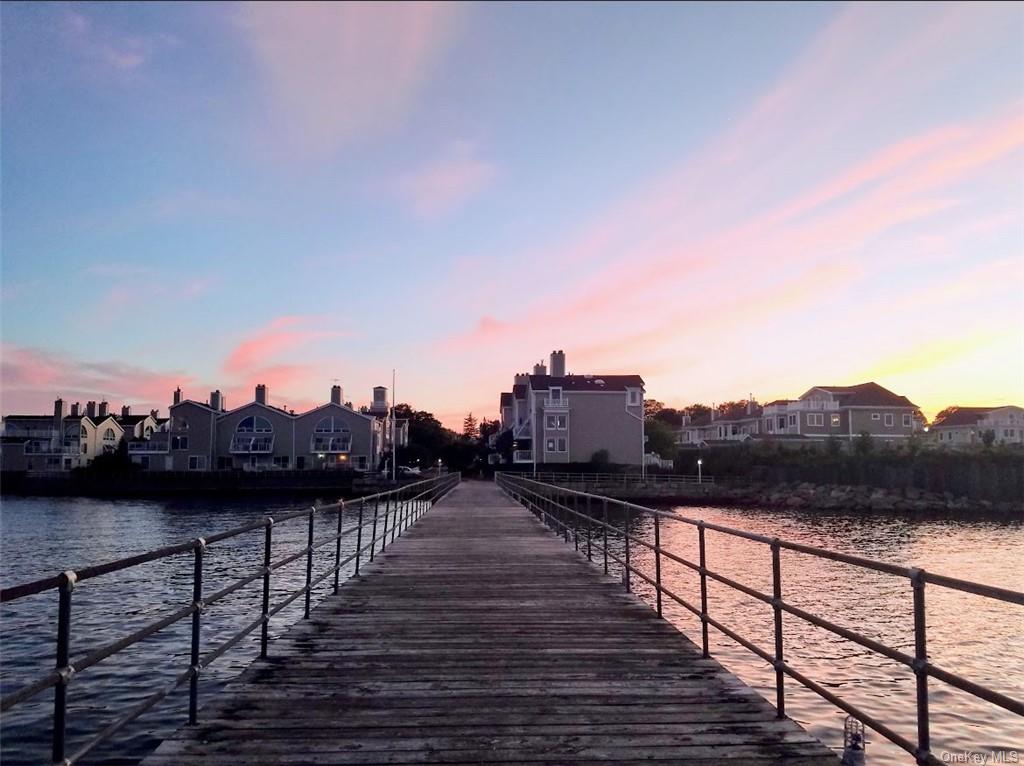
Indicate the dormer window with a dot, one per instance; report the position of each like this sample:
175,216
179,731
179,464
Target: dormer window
634,397
556,394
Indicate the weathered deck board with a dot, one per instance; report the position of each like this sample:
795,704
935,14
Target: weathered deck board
481,638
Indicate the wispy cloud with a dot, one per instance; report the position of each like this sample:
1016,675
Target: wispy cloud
338,72
444,184
287,333
34,377
106,49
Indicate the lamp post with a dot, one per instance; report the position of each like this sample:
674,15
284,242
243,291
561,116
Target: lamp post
700,475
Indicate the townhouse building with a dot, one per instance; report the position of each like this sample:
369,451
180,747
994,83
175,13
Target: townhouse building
820,413
558,418
258,436
967,426
61,441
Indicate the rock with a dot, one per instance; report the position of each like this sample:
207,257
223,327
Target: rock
795,502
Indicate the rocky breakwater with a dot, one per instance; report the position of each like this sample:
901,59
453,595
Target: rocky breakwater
804,495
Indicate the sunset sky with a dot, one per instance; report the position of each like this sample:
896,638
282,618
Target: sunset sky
725,199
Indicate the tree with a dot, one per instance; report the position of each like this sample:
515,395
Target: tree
696,410
651,408
661,439
470,429
488,427
988,437
600,459
943,414
864,445
670,416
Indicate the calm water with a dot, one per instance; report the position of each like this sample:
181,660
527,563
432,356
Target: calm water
975,637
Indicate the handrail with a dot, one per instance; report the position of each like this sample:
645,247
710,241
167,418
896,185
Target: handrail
554,477
556,505
402,506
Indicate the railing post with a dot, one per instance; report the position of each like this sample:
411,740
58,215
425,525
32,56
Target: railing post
359,536
197,608
604,530
264,630
396,524
384,535
309,564
337,545
60,689
657,560
373,529
590,531
625,540
576,521
563,517
780,676
921,667
703,590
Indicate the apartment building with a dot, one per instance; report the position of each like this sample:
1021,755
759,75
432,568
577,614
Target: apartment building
257,436
61,441
557,417
822,412
966,426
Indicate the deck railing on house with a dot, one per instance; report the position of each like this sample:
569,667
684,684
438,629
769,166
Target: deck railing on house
392,511
573,513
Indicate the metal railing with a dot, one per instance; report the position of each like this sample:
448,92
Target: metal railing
622,479
557,506
400,507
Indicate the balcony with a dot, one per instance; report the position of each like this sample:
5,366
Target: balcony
332,445
555,404
148,446
522,456
44,448
252,445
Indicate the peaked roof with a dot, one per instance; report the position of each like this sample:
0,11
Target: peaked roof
586,382
506,398
965,416
865,395
519,390
130,420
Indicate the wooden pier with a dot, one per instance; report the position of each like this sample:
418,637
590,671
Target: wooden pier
479,637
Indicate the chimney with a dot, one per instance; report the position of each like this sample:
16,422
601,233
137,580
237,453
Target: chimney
104,407
335,394
261,394
540,369
521,378
750,405
90,409
177,395
558,364
216,402
714,412
75,408
58,413
126,410
153,413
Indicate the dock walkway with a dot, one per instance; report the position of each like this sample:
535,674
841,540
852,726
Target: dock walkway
479,637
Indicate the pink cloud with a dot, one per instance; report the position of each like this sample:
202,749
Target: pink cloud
285,333
108,51
447,183
34,377
338,72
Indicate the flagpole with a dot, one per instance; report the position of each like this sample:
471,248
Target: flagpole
394,448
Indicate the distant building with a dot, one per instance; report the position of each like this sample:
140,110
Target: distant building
204,436
966,426
560,418
60,441
822,412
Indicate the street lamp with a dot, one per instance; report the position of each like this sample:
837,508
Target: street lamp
700,477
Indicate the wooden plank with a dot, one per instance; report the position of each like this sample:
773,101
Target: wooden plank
479,637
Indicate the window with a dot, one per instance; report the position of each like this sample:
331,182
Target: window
557,422
179,424
634,396
148,432
281,461
254,425
84,434
179,442
835,421
555,394
108,435
144,462
815,419
889,419
875,416
906,421
225,463
197,462
792,420
550,446
562,447
331,435
243,441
